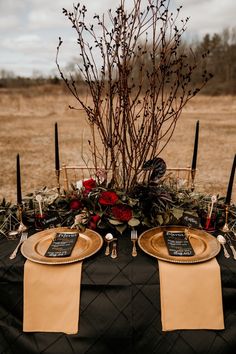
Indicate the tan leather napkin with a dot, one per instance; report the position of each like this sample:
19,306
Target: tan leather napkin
51,297
191,296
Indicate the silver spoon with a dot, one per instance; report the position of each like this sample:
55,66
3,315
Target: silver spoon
109,238
222,241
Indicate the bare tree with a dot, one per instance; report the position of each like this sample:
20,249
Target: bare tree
139,81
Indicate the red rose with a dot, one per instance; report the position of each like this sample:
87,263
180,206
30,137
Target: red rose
89,184
122,212
108,198
75,204
95,218
93,222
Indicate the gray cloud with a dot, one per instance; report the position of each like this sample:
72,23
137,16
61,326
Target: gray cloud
9,22
208,16
30,28
7,7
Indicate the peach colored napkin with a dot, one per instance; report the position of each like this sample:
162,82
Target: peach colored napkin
191,296
51,297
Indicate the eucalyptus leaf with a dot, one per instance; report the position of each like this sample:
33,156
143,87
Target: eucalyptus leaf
115,222
146,222
178,213
192,212
121,228
133,202
133,222
100,212
166,218
159,219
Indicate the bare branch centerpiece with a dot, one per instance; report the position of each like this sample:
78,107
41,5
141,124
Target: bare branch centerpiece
139,76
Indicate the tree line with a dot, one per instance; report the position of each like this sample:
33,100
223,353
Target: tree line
219,50
220,61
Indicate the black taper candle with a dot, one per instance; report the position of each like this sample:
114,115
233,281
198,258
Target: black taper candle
18,180
231,182
195,150
57,161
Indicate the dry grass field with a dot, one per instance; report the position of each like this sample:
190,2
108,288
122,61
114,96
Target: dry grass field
27,120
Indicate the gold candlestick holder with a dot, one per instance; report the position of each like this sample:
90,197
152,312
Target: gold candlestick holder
226,226
57,172
193,174
21,226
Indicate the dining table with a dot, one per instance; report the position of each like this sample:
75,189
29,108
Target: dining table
120,309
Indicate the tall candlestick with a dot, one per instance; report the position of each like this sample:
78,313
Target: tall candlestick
18,180
194,160
231,181
57,161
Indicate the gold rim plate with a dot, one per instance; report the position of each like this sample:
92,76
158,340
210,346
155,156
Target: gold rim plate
35,247
205,246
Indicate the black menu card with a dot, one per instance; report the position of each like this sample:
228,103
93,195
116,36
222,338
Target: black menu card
178,244
62,245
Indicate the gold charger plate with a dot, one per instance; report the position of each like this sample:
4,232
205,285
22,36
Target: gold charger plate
204,245
35,247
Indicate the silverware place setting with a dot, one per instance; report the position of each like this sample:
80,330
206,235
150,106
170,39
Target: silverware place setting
230,243
109,238
226,240
24,236
134,238
222,241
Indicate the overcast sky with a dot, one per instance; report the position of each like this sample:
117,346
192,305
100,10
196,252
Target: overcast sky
29,29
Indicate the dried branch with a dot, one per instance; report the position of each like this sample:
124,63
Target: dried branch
139,78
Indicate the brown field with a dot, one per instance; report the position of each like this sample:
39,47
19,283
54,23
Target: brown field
27,127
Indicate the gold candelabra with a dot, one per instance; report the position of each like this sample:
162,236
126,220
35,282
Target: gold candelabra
21,226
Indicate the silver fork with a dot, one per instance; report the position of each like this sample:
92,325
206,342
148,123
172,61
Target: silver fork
134,237
23,237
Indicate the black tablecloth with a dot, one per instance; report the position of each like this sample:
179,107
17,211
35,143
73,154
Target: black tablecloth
119,312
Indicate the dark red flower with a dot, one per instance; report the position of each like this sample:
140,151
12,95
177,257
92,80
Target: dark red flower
89,184
108,198
95,218
75,204
93,222
122,212
86,192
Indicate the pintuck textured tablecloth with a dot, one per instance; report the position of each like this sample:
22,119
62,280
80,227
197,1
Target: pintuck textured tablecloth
119,310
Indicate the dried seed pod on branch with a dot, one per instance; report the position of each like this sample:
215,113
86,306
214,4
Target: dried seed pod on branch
139,76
